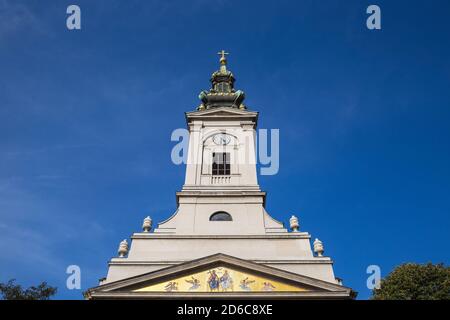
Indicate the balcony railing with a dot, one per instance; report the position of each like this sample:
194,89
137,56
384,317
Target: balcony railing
220,179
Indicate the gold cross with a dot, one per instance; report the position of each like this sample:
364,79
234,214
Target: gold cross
222,53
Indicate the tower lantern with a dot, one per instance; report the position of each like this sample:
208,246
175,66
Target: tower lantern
222,92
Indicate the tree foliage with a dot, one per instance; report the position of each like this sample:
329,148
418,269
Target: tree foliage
12,291
415,282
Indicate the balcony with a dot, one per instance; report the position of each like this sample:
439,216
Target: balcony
220,180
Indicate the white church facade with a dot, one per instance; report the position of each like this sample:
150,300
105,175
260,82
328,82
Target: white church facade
221,242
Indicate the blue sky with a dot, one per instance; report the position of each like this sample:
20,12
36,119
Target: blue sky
86,118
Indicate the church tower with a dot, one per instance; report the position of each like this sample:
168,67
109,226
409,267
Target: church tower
220,242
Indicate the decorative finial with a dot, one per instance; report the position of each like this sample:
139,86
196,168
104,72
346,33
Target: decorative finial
147,224
123,248
293,221
223,61
318,247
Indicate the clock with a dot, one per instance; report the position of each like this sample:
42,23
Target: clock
221,139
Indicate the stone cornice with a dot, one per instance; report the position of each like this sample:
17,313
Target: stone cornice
220,193
290,235
222,113
120,261
320,295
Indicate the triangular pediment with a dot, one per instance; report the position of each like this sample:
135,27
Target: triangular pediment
222,112
221,278
218,275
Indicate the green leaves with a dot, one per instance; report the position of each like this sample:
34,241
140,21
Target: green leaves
415,282
12,291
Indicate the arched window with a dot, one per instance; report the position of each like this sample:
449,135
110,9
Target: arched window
220,216
221,164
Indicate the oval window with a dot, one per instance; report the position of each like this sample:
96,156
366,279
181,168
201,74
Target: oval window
221,216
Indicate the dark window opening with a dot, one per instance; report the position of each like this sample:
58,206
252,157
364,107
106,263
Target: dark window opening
223,87
221,216
221,164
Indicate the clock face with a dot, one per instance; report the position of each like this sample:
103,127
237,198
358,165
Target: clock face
221,138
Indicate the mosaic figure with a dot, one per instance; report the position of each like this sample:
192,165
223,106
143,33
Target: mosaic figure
171,286
213,281
195,283
244,284
226,282
267,286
